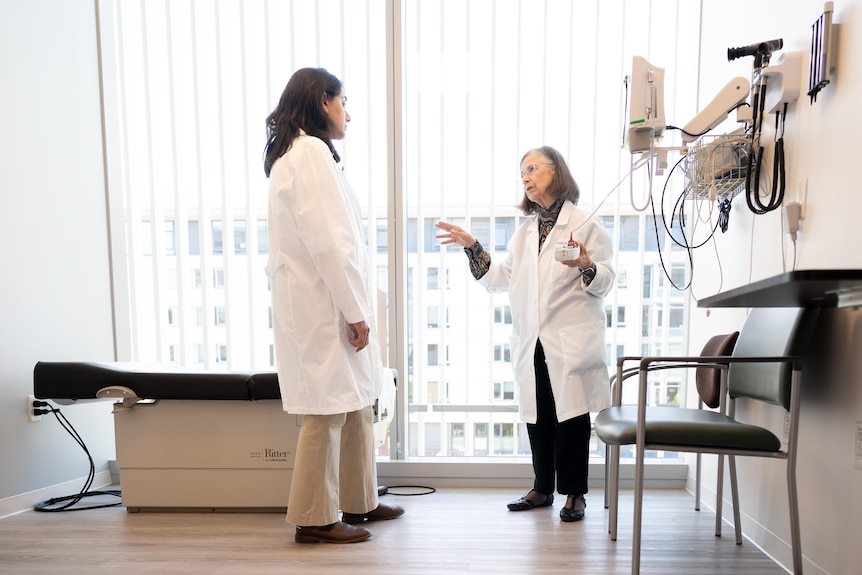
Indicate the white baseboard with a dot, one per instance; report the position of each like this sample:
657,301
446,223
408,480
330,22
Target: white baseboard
502,472
26,501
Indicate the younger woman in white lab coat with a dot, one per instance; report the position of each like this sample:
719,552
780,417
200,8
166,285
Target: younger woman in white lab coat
558,321
327,355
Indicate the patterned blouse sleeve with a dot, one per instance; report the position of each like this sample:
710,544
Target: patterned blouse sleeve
480,260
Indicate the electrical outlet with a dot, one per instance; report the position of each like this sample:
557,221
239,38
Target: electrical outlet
30,414
802,196
857,456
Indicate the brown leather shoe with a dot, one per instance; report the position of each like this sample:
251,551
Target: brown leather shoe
381,513
338,532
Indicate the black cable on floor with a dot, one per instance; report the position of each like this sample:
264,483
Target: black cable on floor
428,490
68,502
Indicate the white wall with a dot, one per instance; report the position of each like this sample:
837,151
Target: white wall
819,147
55,300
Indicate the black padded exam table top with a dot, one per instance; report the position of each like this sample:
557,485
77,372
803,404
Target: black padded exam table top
82,380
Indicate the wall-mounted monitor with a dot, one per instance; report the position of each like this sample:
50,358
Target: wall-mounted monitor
646,120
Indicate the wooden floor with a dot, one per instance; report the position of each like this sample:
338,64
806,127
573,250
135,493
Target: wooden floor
450,531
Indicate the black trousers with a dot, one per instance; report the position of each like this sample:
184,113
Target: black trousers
561,450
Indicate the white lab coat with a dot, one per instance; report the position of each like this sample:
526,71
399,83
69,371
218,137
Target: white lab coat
317,267
550,303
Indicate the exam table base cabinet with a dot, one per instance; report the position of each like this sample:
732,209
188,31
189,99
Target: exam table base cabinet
200,455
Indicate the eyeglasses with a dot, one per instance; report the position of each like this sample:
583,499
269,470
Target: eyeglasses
531,169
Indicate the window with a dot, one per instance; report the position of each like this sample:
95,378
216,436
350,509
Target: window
622,279
480,439
433,359
480,228
677,315
239,245
502,353
457,445
677,275
503,230
433,320
504,438
432,439
146,239
629,233
645,320
194,238
433,278
221,353
262,246
171,279
504,390
219,314
186,93
218,278
217,240
433,392
170,239
647,282
382,238
503,314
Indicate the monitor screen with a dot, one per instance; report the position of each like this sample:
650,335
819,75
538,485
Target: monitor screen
646,105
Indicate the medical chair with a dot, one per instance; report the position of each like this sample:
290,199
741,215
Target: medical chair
766,366
708,382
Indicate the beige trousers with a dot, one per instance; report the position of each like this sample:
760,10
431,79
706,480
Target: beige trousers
335,468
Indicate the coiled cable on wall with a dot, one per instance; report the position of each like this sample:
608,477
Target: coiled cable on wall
752,192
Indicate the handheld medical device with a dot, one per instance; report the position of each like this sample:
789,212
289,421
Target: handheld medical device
570,252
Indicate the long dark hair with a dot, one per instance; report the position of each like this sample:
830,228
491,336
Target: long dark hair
563,184
300,108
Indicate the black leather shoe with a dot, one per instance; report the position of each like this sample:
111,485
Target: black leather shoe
575,512
338,532
381,513
524,503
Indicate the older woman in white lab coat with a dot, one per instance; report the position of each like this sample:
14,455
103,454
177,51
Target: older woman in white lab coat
558,320
327,354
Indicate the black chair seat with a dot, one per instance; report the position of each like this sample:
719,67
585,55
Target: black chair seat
679,426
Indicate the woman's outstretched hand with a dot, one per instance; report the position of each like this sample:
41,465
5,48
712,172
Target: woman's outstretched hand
454,235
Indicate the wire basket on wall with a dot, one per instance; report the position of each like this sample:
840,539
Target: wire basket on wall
716,167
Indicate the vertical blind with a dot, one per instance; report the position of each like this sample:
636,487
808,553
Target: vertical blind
189,83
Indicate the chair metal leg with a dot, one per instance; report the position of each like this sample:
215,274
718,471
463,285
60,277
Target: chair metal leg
795,535
607,473
614,485
719,493
792,495
638,512
734,490
697,484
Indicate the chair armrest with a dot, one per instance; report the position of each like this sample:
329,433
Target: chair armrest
656,363
648,364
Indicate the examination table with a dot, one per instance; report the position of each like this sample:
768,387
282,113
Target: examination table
188,441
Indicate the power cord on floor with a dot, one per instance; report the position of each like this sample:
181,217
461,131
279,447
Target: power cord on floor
68,502
387,490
